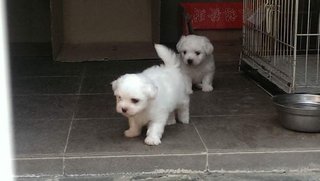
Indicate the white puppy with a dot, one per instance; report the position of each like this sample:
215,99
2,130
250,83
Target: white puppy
152,97
198,62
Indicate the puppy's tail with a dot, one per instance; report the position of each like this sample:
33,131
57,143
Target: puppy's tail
168,56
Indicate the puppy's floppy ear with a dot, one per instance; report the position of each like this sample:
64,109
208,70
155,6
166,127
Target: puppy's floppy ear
114,84
180,43
208,47
151,90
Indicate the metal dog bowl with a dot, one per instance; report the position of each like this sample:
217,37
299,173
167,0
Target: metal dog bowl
299,112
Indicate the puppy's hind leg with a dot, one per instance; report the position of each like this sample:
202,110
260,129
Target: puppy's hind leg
183,111
171,119
134,128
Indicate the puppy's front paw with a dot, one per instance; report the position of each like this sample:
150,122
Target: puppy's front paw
189,91
207,88
131,133
152,140
185,120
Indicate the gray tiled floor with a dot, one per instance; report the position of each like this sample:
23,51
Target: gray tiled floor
40,137
230,103
104,106
104,137
66,124
97,84
44,106
251,133
46,85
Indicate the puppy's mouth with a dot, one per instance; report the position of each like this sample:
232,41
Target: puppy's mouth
126,114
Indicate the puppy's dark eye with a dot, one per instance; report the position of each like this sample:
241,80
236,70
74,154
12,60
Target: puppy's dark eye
135,101
197,53
184,52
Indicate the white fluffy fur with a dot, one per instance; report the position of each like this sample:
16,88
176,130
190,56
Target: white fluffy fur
152,97
198,62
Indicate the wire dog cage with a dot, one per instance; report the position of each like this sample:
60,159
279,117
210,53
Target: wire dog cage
281,40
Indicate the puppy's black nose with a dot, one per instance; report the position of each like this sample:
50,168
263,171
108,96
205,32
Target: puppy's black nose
124,110
190,61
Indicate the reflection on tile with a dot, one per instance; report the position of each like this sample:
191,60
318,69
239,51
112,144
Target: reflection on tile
45,85
105,137
101,84
251,133
44,107
47,166
233,82
40,136
235,124
105,165
44,66
230,103
118,67
88,178
227,67
266,162
97,106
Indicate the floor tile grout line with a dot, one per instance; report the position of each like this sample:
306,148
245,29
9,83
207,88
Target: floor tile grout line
93,94
195,116
266,152
231,73
101,93
224,73
75,118
103,118
68,136
135,156
205,146
82,79
65,94
46,76
250,92
38,158
66,145
120,117
172,154
225,115
72,120
262,88
112,156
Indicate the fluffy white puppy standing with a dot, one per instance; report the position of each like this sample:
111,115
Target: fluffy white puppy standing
198,61
152,97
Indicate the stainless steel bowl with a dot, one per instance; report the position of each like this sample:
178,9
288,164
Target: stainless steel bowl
299,112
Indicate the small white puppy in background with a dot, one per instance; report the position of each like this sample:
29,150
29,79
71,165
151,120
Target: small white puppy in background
198,62
152,97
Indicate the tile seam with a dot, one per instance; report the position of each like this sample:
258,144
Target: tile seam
163,155
264,152
133,156
205,146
